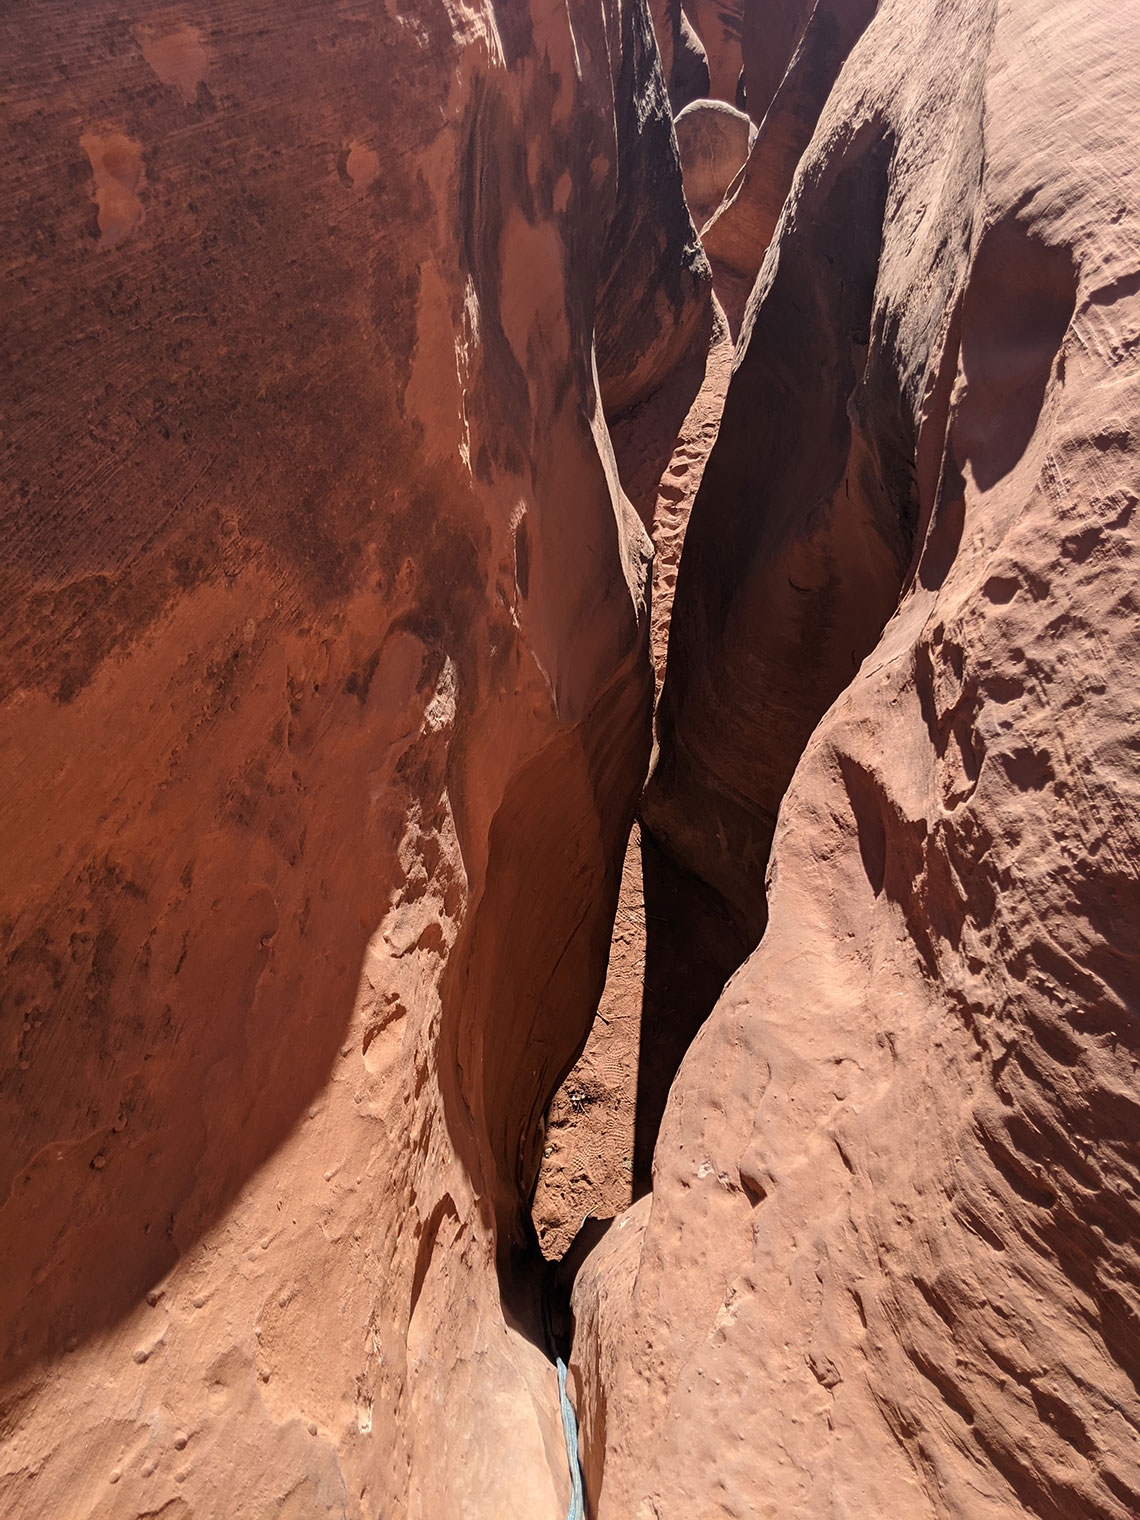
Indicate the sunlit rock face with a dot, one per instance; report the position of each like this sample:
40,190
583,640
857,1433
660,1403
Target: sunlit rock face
325,708
890,1263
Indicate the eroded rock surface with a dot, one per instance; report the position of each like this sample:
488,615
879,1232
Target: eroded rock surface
770,32
796,558
325,708
673,944
889,1267
793,53
654,307
718,24
684,66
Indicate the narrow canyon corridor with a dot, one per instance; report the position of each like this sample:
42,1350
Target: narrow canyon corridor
674,942
571,789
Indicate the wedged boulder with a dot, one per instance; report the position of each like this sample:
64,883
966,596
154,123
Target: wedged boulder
815,42
325,707
890,1266
713,140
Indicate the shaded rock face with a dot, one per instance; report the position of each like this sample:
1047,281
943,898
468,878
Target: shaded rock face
684,66
792,57
325,708
770,623
769,35
654,310
718,24
889,1266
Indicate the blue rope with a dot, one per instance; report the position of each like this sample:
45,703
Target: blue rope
577,1509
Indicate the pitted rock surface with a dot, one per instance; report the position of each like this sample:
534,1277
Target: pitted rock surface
889,1266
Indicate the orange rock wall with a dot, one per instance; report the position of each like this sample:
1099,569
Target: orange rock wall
325,707
889,1265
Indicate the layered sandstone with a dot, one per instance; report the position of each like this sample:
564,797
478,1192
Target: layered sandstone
889,1267
325,708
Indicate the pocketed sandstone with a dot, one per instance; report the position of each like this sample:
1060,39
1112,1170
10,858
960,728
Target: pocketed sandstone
889,1266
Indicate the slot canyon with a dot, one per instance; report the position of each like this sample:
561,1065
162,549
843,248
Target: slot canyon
571,786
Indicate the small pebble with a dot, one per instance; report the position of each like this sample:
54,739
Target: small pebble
199,1300
265,1242
312,1427
99,1162
180,1443
115,1475
153,1297
141,1355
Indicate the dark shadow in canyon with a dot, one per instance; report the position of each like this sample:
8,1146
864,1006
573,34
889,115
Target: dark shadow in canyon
693,944
119,1205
